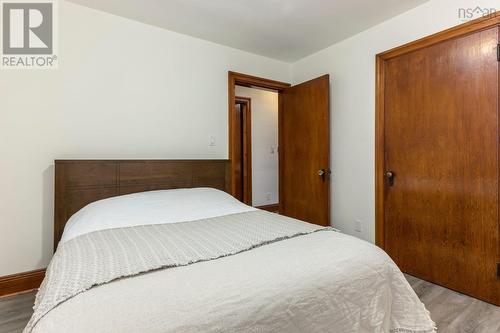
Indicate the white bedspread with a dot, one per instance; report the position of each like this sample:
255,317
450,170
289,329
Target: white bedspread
322,282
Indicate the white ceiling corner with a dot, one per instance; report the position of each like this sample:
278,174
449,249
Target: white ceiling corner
287,30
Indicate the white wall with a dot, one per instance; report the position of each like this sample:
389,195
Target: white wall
351,65
128,90
264,142
123,90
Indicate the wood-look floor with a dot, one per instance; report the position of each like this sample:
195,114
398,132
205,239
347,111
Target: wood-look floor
15,311
452,312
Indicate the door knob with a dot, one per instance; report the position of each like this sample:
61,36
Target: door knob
323,173
389,175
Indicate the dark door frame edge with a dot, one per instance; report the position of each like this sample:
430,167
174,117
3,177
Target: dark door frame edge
247,158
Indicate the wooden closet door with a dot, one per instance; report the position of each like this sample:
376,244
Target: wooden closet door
441,145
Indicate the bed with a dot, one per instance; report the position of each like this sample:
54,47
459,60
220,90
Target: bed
158,246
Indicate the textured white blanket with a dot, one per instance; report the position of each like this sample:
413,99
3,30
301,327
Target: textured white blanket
313,283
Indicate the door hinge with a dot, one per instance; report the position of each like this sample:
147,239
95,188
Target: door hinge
498,52
498,270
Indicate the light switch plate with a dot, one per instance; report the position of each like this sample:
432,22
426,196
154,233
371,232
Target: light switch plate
357,225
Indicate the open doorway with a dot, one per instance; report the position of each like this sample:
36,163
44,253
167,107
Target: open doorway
253,139
256,150
301,156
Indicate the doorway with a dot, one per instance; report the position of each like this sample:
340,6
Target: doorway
246,90
257,159
303,149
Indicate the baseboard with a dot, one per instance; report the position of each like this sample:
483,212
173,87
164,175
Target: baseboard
274,208
21,282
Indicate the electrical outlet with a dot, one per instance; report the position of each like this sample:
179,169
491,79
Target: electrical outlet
212,141
268,196
357,225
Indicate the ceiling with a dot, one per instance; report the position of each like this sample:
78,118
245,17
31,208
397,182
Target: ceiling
286,30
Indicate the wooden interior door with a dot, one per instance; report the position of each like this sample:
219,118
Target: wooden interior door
304,134
441,154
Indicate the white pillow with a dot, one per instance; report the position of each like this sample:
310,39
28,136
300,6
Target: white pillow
154,207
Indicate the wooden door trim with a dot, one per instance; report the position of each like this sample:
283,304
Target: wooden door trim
379,152
281,159
498,148
247,159
246,80
482,23
270,208
474,26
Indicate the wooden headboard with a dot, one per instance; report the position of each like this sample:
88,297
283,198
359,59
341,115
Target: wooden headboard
80,182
